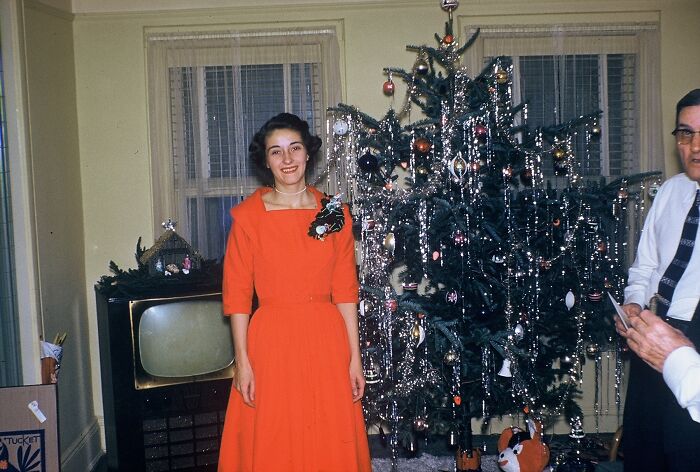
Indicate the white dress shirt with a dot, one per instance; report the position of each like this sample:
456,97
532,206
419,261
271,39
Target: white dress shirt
657,246
682,375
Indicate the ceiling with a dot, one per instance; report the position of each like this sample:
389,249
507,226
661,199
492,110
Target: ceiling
125,6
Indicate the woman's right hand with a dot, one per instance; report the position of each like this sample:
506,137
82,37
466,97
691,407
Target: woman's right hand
244,382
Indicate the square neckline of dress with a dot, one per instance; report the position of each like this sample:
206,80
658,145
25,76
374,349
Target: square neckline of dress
265,190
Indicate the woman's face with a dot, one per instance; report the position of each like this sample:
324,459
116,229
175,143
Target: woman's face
285,155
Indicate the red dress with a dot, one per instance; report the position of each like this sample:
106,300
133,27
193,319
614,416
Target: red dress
304,419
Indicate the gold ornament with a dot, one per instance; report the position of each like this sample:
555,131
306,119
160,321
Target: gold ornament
592,350
418,334
559,154
458,166
451,357
501,76
390,242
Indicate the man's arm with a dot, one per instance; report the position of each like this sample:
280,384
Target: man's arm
682,375
667,350
646,261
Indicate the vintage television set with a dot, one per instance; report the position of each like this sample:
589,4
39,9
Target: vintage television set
167,363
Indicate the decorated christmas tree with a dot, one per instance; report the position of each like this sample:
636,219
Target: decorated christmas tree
483,286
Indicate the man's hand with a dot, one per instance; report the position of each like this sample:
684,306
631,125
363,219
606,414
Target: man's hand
632,309
651,338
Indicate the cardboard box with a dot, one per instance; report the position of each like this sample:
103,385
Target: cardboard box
29,429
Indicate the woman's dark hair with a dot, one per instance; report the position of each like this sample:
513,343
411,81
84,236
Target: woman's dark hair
690,99
256,149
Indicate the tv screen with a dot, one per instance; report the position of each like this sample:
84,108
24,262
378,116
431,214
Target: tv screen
181,339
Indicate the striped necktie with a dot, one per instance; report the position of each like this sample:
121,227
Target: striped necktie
675,269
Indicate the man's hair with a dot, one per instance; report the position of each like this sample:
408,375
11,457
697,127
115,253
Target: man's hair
690,99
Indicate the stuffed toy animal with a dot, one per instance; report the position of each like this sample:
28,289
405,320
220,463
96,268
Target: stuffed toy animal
522,451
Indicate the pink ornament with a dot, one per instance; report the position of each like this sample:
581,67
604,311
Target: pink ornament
388,87
481,132
452,296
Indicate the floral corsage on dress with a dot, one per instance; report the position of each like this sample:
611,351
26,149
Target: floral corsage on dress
329,219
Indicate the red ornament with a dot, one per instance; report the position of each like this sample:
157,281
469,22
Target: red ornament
457,399
421,145
448,39
526,177
481,131
602,247
391,304
556,222
388,87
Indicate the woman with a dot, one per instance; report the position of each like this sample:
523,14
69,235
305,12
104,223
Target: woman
295,402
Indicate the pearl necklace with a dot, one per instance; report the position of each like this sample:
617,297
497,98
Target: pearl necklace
290,193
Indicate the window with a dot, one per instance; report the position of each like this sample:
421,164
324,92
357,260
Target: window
565,72
216,91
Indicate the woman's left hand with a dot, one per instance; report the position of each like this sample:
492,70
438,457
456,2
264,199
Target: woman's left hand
357,379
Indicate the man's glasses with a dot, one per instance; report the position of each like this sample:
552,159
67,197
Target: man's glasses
683,135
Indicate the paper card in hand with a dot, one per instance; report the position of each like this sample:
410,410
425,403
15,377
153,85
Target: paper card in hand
620,312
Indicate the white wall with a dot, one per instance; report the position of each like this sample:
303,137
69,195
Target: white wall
50,231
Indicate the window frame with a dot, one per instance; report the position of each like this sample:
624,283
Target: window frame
171,193
640,39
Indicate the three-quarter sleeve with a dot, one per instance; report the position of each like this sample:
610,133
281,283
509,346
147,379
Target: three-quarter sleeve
238,269
344,285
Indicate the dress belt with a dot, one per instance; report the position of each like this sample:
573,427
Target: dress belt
295,299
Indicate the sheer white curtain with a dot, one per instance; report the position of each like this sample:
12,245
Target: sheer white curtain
208,94
567,71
